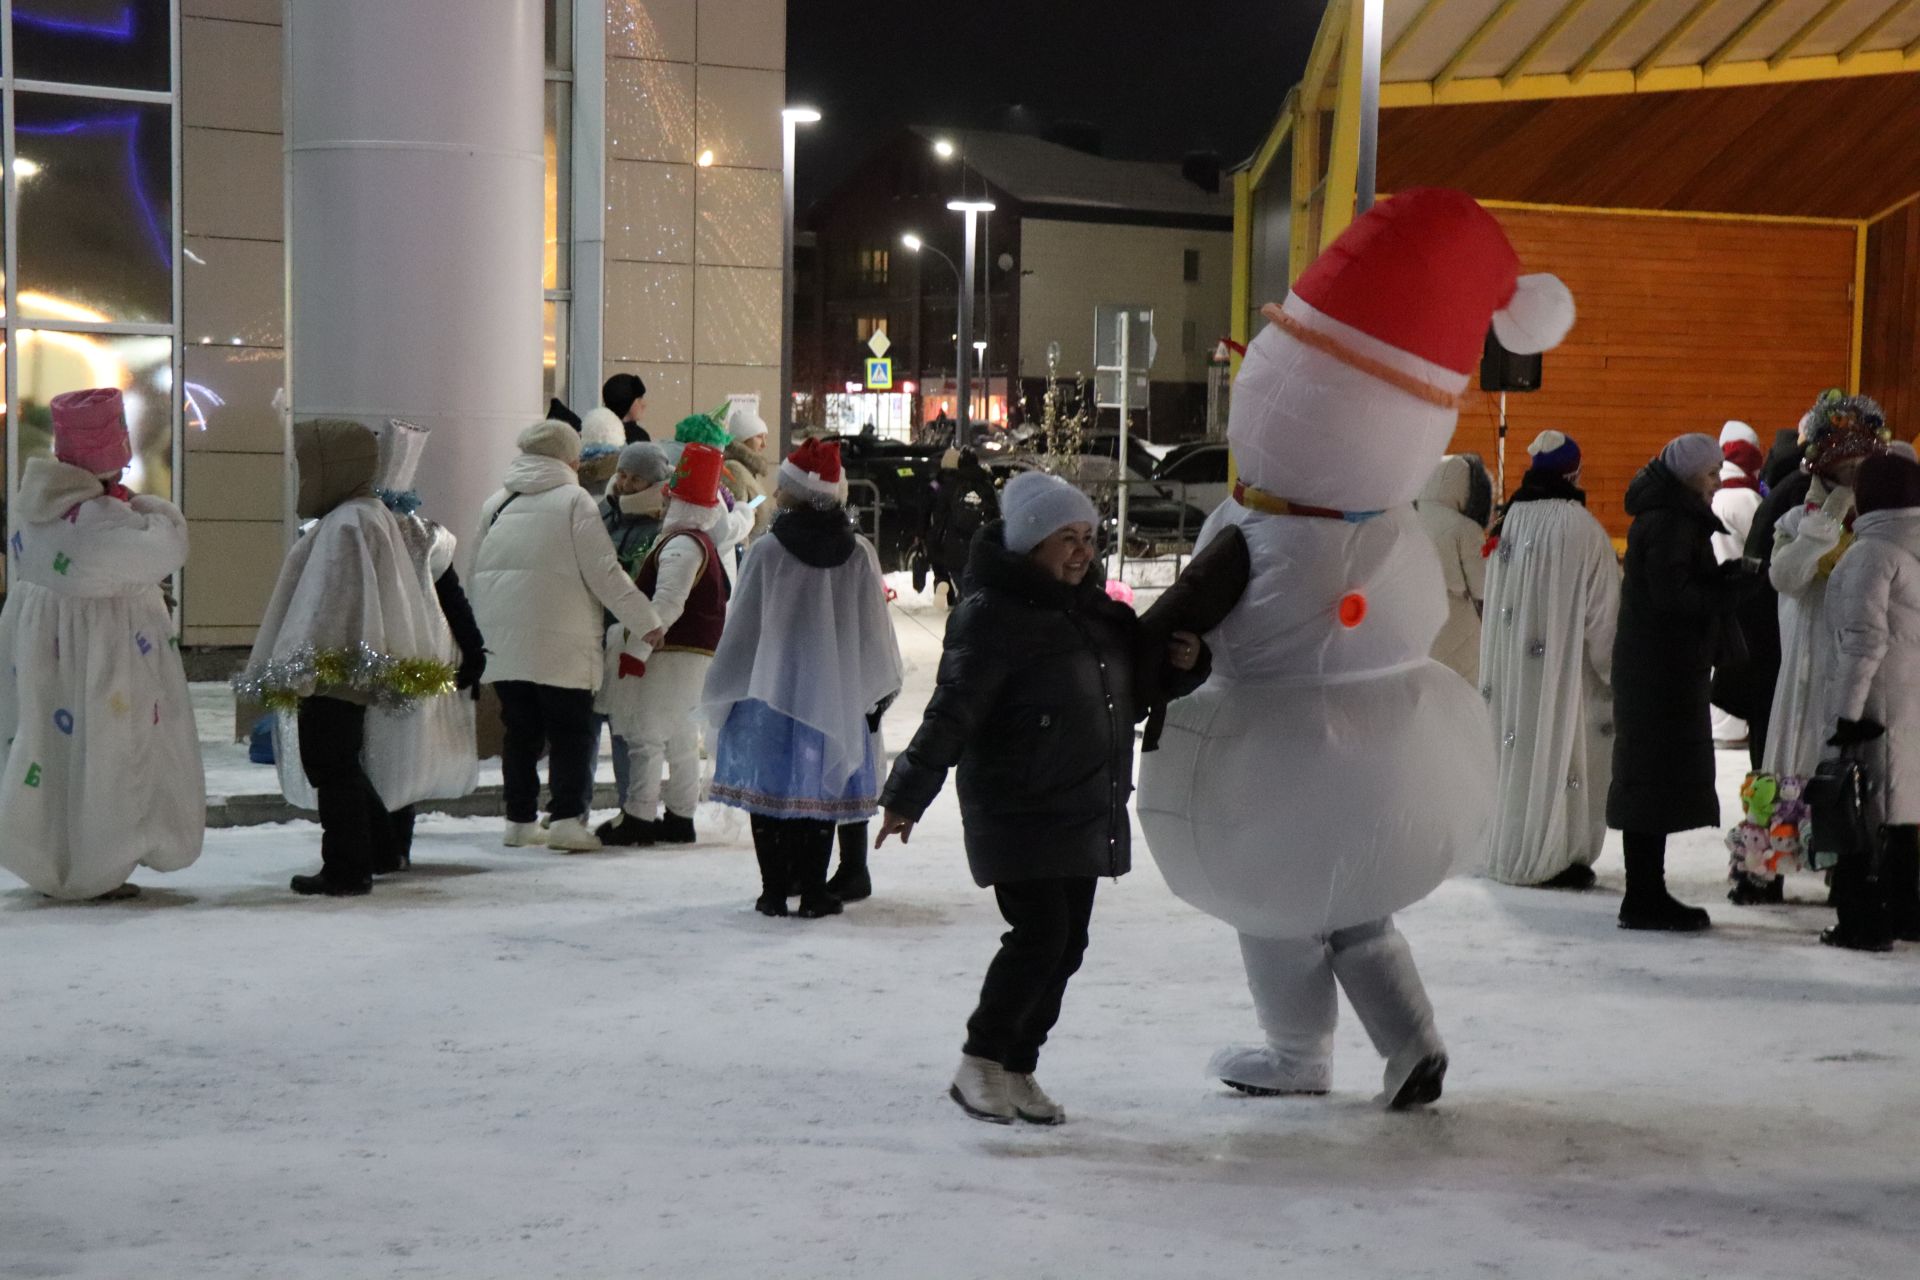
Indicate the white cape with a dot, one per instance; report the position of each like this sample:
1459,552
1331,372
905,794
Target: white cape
1809,648
425,751
100,772
1546,658
816,645
1327,775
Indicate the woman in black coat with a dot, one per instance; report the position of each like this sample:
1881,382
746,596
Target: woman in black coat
1675,606
1040,684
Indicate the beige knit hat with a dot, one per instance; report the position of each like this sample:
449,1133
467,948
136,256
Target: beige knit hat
551,440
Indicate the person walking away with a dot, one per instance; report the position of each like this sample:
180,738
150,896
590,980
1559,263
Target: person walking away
1553,592
1458,540
626,395
1035,704
1674,600
543,571
1874,599
966,503
100,768
750,468
352,625
806,665
651,698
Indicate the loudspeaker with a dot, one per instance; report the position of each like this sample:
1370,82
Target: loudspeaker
1503,370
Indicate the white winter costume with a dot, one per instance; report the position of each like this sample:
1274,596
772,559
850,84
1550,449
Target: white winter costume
1736,508
1807,544
100,763
1553,598
657,713
1331,773
425,751
543,566
1874,602
1457,540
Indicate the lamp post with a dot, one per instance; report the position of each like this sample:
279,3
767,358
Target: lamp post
972,209
916,245
790,120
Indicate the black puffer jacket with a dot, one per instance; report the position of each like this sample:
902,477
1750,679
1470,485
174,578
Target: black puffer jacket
1036,704
1674,601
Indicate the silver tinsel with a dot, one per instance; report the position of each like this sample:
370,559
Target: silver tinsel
1506,552
386,681
1511,738
1538,649
1573,783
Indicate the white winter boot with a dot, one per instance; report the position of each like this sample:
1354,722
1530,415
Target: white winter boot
525,835
572,835
1258,1070
1030,1101
980,1087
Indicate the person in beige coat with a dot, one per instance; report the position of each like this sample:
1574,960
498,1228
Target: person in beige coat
750,467
1458,540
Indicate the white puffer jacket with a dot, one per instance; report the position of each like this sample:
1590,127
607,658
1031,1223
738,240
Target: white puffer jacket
1873,603
543,567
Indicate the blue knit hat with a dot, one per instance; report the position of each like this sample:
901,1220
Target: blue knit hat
1555,451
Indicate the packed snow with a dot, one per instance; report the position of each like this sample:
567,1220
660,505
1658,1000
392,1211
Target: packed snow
519,1064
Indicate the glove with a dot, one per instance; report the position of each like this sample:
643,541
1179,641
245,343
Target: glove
472,667
1853,733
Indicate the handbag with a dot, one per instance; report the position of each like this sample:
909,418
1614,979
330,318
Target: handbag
1839,794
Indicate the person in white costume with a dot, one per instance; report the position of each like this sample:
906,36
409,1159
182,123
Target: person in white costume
351,625
543,569
652,694
1553,597
1331,773
1808,543
1458,541
731,530
1736,503
99,758
424,751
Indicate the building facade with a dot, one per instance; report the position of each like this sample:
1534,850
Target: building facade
145,221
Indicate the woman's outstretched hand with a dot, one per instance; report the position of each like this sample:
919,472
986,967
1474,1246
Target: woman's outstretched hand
893,824
1183,650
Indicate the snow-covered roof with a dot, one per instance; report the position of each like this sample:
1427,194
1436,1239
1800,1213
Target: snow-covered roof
1035,171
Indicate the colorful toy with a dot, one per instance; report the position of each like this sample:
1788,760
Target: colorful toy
1758,795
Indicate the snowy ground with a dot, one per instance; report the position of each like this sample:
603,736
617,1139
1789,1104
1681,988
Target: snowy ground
513,1064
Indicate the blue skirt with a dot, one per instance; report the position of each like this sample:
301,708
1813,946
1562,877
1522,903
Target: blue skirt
774,766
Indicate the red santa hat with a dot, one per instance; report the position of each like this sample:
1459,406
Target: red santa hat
1350,398
814,468
696,479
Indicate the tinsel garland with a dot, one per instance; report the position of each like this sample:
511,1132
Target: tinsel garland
401,504
386,681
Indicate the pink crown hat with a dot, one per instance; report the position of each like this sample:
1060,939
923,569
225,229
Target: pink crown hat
90,431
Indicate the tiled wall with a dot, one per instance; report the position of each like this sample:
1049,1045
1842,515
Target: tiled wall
693,254
233,315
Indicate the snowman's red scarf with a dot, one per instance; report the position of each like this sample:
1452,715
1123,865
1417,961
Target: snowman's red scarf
1418,388
1269,504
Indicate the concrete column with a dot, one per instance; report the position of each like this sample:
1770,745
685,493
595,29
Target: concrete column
415,171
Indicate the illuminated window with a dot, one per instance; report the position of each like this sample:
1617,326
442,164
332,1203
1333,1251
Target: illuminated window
873,265
558,261
866,326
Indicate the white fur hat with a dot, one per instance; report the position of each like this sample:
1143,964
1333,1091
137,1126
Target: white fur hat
601,432
1738,430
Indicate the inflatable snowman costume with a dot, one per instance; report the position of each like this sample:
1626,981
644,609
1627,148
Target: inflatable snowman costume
1331,773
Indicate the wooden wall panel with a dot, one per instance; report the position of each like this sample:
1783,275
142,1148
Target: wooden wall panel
1683,323
1890,339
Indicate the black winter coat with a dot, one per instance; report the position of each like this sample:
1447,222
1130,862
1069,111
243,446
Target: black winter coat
966,503
1036,702
1674,601
1747,690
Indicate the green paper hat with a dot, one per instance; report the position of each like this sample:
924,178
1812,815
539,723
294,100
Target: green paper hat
703,428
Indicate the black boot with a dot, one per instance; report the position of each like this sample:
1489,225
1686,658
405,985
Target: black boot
1647,904
1859,899
851,883
322,886
673,829
1900,878
1751,891
625,831
776,874
812,851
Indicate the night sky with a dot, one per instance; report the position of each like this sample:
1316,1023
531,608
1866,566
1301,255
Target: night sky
1159,78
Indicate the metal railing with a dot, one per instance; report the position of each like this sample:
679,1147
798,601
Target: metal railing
863,498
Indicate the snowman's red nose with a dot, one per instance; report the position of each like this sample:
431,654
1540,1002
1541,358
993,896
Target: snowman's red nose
1353,610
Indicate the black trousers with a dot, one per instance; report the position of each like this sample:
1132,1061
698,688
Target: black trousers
793,853
1878,895
544,717
356,833
1020,1000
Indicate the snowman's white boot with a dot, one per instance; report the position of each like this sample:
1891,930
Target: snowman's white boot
1375,968
1293,995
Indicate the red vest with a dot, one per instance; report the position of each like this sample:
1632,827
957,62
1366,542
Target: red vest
697,630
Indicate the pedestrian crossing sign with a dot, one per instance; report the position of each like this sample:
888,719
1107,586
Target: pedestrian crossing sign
880,374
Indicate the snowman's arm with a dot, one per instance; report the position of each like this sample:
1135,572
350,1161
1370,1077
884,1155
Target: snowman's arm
1199,602
973,670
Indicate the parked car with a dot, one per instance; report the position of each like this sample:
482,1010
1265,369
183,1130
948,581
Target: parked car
1203,468
902,477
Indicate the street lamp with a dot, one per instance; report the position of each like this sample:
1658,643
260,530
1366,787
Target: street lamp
943,149
972,209
790,119
916,245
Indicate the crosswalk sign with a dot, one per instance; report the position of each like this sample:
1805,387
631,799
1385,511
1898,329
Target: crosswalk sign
880,374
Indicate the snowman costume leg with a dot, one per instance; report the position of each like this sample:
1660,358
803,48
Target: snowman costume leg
655,718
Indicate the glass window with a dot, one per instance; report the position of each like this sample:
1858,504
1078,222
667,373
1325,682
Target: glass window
95,186
53,362
116,44
559,35
559,215
553,349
